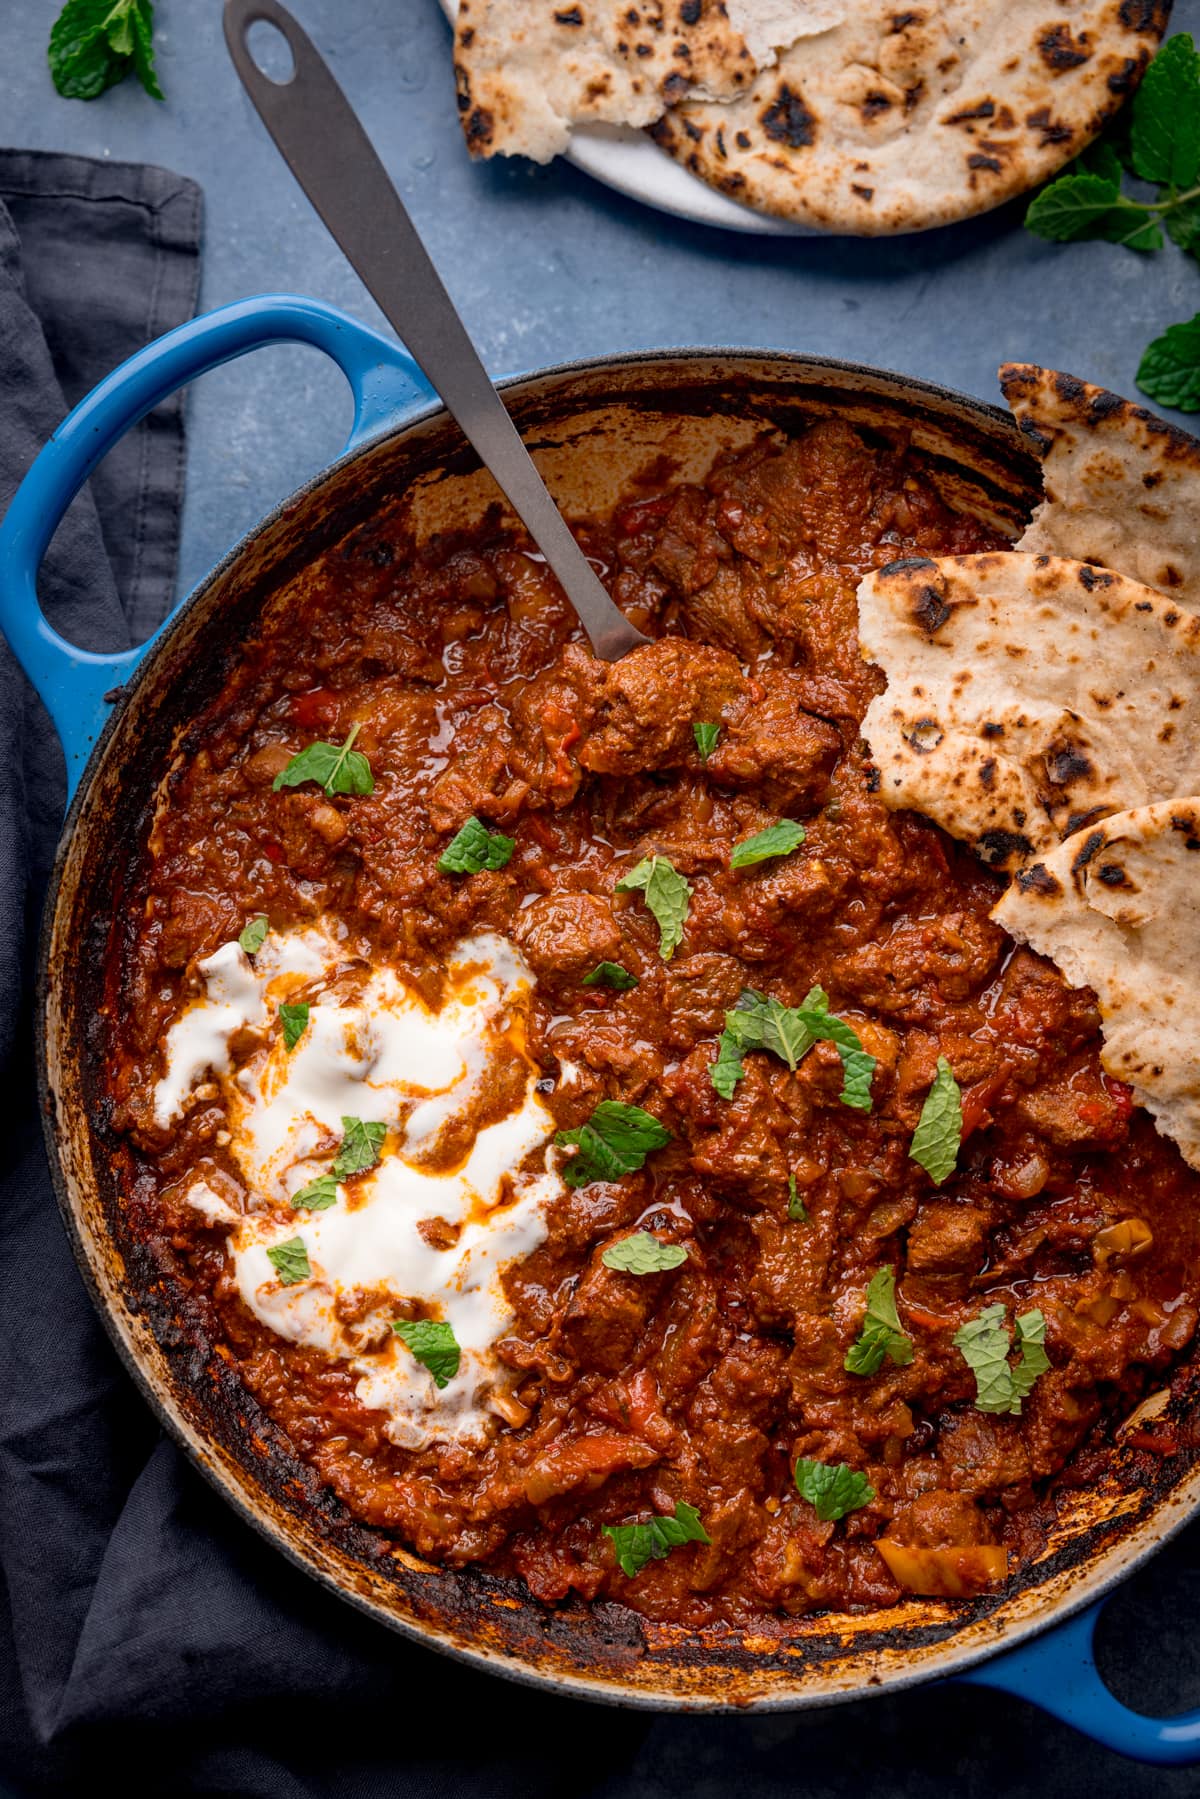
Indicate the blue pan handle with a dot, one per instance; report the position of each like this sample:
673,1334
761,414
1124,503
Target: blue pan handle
1058,1673
75,684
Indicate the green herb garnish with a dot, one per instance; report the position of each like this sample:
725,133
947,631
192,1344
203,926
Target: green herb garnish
360,1147
616,1140
254,935
95,43
337,767
832,1489
290,1261
433,1344
294,1020
882,1336
667,896
1000,1386
1087,201
797,1210
779,839
637,1544
475,848
760,1021
643,1253
318,1196
610,974
706,739
938,1135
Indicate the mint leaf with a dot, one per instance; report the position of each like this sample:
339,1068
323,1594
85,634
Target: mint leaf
779,839
760,1021
1091,206
1183,226
637,1544
290,1261
797,1211
338,768
882,1336
294,1020
610,974
832,1489
433,1344
475,848
1165,130
858,1065
728,1069
1100,157
984,1342
254,935
1170,368
95,43
643,1253
360,1147
667,896
616,1140
318,1196
706,739
938,1135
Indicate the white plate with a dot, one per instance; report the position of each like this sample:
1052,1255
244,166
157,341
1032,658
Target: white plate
633,164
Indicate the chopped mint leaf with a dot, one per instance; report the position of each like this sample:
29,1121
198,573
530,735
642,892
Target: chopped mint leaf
294,1020
318,1196
797,1210
706,739
637,1544
938,1135
999,1385
643,1253
882,1336
667,896
290,1261
254,935
832,1489
779,839
95,43
610,974
433,1344
338,768
475,848
616,1140
360,1147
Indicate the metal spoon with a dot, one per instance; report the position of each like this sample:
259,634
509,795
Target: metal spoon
323,143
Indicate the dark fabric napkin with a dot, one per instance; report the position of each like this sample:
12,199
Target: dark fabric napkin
146,1635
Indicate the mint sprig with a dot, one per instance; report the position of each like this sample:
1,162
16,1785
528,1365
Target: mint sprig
760,1021
95,43
1088,201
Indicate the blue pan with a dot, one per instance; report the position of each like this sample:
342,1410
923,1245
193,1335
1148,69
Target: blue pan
120,717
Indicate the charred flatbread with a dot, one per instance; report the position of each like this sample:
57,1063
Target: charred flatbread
1117,907
896,119
1122,485
528,70
1027,696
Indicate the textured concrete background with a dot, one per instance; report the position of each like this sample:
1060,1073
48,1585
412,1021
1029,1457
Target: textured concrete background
546,265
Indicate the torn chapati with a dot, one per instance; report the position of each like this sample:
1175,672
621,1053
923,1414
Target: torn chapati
1117,907
1122,486
1027,696
530,70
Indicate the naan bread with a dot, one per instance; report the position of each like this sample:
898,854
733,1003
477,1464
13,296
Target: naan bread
528,70
1027,696
1122,486
899,118
1117,907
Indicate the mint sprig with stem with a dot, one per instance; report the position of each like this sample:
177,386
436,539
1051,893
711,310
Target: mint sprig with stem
1158,142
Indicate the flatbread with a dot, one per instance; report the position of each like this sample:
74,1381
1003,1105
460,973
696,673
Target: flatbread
904,117
528,70
1117,907
1027,696
1122,486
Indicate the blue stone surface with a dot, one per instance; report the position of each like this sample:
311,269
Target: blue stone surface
547,265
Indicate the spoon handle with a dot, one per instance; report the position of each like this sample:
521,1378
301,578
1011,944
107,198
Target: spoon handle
323,143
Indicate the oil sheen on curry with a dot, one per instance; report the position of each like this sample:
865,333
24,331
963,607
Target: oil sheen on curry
612,1147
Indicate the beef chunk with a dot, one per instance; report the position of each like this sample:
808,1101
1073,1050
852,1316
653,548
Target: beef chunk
564,935
1078,1111
771,742
607,1315
550,717
956,952
940,1520
697,993
647,703
983,1453
947,1239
